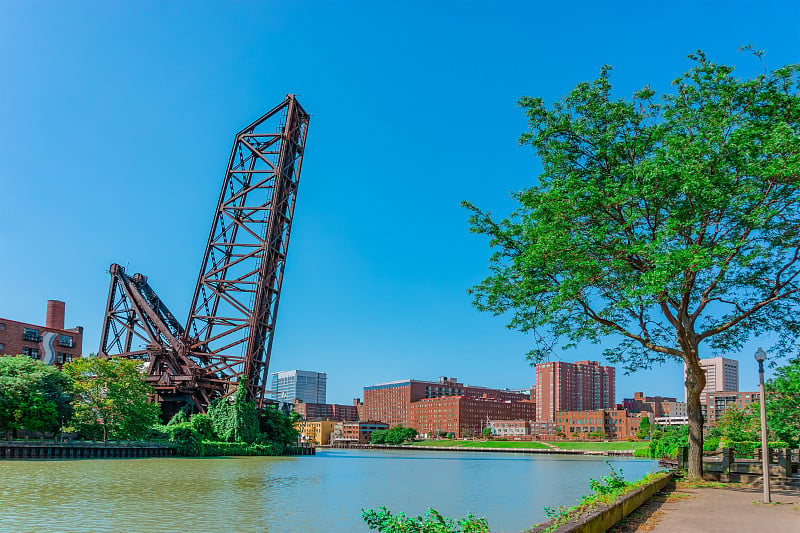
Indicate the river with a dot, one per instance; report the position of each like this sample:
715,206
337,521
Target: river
322,493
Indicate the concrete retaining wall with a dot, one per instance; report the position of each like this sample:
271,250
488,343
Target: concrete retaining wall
604,518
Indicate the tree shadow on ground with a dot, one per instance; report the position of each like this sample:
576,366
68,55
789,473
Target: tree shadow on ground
647,516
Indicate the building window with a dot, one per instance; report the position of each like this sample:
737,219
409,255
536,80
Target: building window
33,353
2,346
2,326
63,358
30,334
66,340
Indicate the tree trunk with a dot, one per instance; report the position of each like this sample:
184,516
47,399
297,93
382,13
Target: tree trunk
695,382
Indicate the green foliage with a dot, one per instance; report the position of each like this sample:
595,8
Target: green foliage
669,441
382,520
185,439
204,426
605,492
487,432
33,396
745,449
783,402
399,435
157,433
711,444
378,436
641,452
644,428
669,223
222,449
180,417
739,425
278,429
611,483
237,420
111,398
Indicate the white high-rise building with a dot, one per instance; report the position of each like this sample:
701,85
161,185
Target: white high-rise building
722,374
308,387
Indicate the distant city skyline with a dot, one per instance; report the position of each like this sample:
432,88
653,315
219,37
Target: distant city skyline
413,110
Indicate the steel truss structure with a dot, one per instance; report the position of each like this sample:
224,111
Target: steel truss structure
229,332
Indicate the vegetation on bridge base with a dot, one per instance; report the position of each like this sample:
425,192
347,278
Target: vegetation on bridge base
94,398
231,427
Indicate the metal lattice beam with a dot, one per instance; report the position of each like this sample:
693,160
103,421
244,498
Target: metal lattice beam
231,324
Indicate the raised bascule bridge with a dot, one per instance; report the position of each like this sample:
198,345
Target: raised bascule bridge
228,334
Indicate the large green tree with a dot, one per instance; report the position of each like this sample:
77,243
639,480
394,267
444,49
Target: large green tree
670,224
783,402
33,396
111,398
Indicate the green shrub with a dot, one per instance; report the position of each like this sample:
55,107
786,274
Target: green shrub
641,452
668,443
185,440
745,449
157,433
433,522
711,444
217,449
180,417
202,423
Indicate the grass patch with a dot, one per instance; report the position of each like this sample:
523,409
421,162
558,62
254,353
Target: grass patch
601,446
439,442
703,484
505,444
482,443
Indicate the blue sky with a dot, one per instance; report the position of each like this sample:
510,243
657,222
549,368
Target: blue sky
116,121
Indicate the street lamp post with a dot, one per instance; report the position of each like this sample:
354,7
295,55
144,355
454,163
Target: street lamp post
760,356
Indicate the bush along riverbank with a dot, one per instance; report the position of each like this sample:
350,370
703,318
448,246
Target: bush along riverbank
231,427
611,500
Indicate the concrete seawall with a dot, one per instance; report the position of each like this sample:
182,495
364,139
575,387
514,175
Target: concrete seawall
83,450
543,451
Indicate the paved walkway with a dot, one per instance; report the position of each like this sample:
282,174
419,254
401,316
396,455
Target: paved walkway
726,511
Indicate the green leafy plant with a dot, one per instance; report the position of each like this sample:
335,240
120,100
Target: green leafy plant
383,520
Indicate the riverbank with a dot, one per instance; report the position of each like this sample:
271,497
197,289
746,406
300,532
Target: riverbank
620,449
82,450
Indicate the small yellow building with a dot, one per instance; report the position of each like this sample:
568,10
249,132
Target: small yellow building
318,432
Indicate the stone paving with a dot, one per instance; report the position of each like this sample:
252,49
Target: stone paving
717,510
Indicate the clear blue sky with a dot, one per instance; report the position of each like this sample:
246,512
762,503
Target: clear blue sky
117,118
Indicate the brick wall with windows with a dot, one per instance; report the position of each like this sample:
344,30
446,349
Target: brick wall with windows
51,343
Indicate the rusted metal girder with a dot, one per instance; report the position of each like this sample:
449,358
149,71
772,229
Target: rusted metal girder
229,331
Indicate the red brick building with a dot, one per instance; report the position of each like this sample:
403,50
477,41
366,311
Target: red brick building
615,424
51,343
345,433
585,385
325,411
657,405
464,416
391,402
718,402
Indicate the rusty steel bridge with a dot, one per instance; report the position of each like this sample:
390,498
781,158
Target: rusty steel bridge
228,334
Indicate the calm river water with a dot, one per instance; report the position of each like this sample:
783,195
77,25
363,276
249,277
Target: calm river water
291,494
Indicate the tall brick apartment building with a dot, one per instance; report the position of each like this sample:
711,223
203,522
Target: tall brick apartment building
391,402
581,386
50,343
